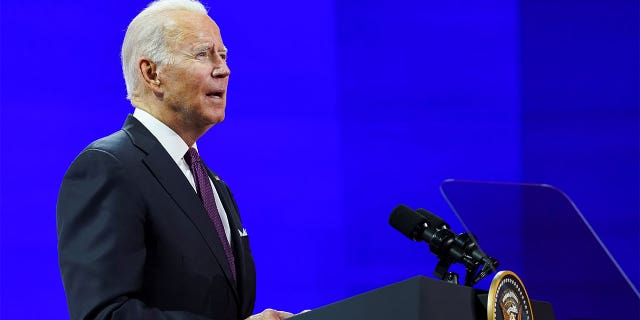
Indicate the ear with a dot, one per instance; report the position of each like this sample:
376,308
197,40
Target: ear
148,71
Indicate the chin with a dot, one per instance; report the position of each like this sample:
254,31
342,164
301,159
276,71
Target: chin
212,113
215,118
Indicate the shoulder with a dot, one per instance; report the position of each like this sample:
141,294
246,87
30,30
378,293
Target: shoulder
117,147
112,158
117,144
106,166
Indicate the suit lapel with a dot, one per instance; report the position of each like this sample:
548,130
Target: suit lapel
235,226
234,222
241,250
179,189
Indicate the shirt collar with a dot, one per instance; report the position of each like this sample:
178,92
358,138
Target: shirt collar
169,139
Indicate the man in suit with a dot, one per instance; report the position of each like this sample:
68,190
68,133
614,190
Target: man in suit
145,230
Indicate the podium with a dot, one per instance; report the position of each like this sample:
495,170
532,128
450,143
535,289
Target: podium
417,298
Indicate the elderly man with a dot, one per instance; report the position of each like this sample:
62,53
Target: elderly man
146,230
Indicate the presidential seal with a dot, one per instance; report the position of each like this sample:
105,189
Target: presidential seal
508,299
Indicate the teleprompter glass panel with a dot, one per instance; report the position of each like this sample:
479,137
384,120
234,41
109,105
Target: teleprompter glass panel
538,232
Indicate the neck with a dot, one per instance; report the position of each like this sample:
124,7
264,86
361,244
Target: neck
189,134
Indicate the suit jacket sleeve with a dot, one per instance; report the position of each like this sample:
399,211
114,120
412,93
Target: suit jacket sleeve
101,234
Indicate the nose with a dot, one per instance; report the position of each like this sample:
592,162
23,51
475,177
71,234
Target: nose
221,70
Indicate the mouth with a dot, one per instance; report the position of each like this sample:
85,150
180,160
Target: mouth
215,94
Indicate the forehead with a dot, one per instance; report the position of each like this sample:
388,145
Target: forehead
191,28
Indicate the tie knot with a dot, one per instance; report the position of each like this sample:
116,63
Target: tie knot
191,156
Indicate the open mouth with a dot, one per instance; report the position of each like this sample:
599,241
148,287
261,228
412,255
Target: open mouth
217,94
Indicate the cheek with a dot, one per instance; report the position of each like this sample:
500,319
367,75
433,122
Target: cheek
189,82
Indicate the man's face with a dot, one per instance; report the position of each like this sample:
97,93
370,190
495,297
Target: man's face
195,84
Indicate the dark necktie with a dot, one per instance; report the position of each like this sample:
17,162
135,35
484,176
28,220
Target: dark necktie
209,201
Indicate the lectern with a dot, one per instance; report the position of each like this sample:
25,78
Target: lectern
418,298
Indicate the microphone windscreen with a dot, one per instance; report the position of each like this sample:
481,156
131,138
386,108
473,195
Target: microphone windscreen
433,221
407,221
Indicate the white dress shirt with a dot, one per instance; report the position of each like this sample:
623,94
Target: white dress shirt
177,148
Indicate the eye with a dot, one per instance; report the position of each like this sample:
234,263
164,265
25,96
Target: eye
223,56
202,54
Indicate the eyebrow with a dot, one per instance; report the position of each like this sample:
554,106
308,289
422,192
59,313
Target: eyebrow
202,48
208,47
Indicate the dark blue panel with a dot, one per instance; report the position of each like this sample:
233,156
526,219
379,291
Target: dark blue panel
581,109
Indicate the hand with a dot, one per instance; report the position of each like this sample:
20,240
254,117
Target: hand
270,314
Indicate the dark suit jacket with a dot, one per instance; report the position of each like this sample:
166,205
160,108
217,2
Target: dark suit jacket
135,241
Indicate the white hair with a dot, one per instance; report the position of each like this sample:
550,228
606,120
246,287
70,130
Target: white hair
147,37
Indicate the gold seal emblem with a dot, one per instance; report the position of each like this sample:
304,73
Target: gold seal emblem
508,299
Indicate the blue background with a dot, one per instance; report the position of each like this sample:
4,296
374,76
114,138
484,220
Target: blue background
337,112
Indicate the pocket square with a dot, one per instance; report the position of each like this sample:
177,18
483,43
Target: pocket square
243,232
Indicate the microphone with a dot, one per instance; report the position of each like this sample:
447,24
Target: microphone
433,220
422,225
430,229
465,241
